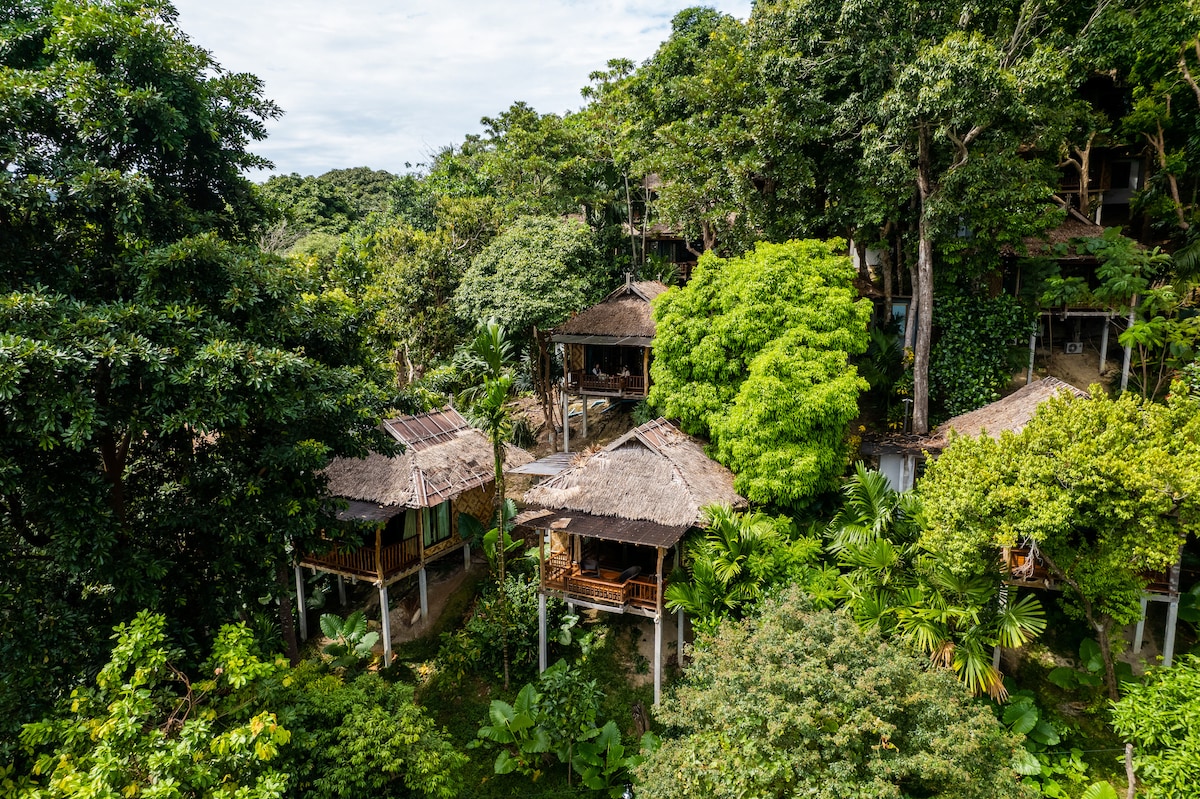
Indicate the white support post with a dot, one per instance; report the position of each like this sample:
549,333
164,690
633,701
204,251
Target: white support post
301,611
385,622
1140,630
1104,345
585,404
1169,638
541,633
467,557
679,631
342,590
566,421
658,659
423,586
1032,352
1128,350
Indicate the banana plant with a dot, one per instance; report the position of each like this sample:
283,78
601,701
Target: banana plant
350,644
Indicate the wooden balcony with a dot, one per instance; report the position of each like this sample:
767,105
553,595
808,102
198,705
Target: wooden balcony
602,586
1020,568
632,387
394,558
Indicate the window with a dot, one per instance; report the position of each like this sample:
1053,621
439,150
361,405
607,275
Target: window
437,524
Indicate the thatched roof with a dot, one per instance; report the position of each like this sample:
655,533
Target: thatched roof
654,473
443,458
1076,226
1010,413
624,315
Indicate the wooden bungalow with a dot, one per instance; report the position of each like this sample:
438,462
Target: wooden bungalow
410,504
610,523
607,347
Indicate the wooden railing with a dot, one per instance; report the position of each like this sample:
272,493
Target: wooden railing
358,562
1022,568
401,557
605,588
631,386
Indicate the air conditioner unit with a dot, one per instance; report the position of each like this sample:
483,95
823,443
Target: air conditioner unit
1074,348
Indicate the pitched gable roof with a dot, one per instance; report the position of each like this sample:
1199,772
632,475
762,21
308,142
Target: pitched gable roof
654,473
444,457
1010,413
624,314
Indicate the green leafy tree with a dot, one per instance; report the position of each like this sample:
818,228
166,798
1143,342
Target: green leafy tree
974,357
1104,490
361,736
753,354
800,703
1161,717
145,726
737,560
170,395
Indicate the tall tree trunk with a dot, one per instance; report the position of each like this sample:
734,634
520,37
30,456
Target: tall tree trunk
885,269
286,624
543,385
1159,142
923,289
498,455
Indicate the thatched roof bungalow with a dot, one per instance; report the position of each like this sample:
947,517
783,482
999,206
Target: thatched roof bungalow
411,502
606,524
608,345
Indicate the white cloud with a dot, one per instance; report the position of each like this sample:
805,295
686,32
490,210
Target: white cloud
383,82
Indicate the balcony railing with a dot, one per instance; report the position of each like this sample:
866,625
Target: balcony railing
609,385
601,586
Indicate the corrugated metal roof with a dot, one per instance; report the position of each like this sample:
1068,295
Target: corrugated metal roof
427,429
548,466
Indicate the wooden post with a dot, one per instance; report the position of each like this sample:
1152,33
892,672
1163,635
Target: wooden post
1104,345
385,623
679,644
585,404
541,632
1140,630
466,557
423,589
301,610
341,590
379,553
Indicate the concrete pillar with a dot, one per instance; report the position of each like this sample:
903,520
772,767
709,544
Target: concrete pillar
566,421
301,610
1104,344
585,404
679,644
385,623
341,590
541,633
1128,350
658,659
1169,638
467,556
1032,352
423,587
1140,630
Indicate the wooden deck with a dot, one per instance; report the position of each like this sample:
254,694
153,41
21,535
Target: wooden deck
633,386
567,580
1020,569
395,559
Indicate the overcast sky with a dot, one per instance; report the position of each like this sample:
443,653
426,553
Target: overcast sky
384,82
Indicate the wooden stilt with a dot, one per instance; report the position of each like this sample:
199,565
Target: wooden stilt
385,623
585,404
541,633
1032,352
423,588
1140,630
301,610
467,556
679,642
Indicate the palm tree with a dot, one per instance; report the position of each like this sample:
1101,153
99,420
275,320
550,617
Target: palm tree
491,354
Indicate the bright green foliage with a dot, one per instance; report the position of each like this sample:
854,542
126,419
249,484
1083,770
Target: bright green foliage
753,353
736,561
145,729
364,737
350,644
602,763
533,274
799,703
1162,719
1106,490
889,584
974,357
